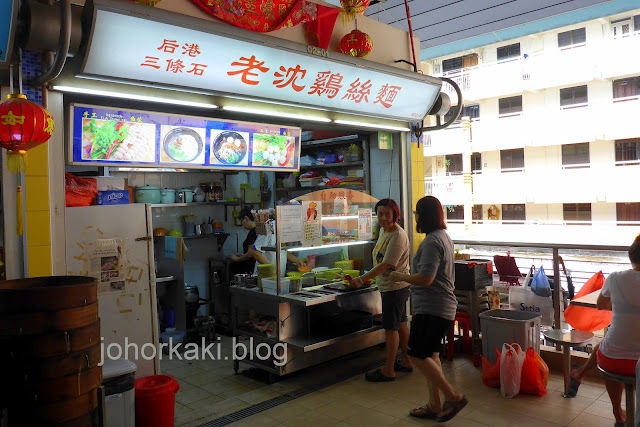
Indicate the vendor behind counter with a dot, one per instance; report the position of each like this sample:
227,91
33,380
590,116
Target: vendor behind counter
245,262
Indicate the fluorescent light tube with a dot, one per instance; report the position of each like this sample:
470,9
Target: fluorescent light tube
110,94
275,114
372,125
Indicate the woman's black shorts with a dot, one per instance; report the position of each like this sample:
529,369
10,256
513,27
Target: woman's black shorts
426,335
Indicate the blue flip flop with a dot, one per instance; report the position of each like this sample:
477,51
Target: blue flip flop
572,389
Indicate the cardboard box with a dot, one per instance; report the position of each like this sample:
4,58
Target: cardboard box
117,197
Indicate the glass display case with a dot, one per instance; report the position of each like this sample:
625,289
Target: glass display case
308,312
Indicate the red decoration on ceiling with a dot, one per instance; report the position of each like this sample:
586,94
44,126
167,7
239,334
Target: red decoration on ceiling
356,43
319,30
23,124
261,16
351,7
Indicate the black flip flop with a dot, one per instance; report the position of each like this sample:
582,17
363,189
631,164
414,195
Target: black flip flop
455,408
399,368
572,389
378,377
427,413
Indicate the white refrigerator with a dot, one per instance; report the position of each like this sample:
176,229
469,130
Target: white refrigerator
115,244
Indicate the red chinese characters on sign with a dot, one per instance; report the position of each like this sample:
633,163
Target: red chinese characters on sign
327,83
249,65
386,95
176,65
358,91
292,74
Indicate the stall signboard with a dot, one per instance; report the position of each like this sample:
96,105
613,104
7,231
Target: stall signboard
237,64
113,137
8,14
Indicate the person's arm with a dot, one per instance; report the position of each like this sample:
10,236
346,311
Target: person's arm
257,255
371,274
603,303
243,257
415,279
294,259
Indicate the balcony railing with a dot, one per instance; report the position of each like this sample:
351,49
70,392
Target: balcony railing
448,189
605,58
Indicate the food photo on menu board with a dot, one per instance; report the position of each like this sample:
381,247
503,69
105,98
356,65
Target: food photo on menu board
181,144
229,147
273,150
117,140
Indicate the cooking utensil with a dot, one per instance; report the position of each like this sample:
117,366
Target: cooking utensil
174,141
184,195
191,294
147,194
198,229
167,195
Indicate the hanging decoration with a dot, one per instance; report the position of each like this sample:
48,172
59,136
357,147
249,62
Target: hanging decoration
353,7
357,44
23,125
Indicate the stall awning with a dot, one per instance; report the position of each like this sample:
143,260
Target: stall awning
139,45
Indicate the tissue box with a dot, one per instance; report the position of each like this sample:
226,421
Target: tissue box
270,286
116,197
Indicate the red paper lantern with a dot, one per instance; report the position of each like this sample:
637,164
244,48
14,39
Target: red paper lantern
23,124
356,43
351,7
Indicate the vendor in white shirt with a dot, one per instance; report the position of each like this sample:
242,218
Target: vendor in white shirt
269,256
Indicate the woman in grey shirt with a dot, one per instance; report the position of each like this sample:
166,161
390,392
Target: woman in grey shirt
434,308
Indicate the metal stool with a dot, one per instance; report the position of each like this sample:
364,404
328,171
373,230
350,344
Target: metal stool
568,339
629,382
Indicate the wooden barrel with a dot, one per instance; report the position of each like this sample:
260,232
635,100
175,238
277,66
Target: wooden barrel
50,350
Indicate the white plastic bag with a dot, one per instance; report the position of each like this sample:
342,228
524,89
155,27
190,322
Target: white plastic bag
511,362
530,274
522,298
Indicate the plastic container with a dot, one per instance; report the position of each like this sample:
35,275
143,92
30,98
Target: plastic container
156,400
270,286
118,378
507,326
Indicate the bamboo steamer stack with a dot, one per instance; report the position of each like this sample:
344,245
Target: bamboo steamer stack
50,350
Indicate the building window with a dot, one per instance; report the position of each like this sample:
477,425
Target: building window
453,163
575,155
572,38
624,88
512,160
627,212
509,52
576,212
455,213
471,111
573,96
476,163
515,214
454,64
627,152
510,106
476,213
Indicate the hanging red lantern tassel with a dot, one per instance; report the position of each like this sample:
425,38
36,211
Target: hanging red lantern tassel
351,7
23,125
356,43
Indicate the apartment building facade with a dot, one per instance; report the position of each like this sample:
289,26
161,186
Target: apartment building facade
549,137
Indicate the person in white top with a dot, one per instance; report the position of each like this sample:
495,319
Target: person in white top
619,351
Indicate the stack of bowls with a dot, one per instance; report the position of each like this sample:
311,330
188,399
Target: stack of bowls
266,271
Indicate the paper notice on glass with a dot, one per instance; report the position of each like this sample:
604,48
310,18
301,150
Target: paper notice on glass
312,223
107,264
365,224
289,223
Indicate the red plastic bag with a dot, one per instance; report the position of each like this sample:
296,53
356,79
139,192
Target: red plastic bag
79,191
586,318
491,371
531,380
543,368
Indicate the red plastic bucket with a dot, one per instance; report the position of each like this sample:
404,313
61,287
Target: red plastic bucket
155,400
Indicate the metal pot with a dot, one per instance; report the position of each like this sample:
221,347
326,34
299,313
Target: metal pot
191,294
168,195
147,194
184,195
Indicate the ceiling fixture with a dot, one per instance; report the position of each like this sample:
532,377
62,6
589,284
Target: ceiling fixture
372,125
110,94
276,114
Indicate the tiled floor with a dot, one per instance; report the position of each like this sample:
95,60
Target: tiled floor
210,390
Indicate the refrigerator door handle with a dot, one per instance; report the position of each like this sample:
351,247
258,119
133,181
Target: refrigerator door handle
140,239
